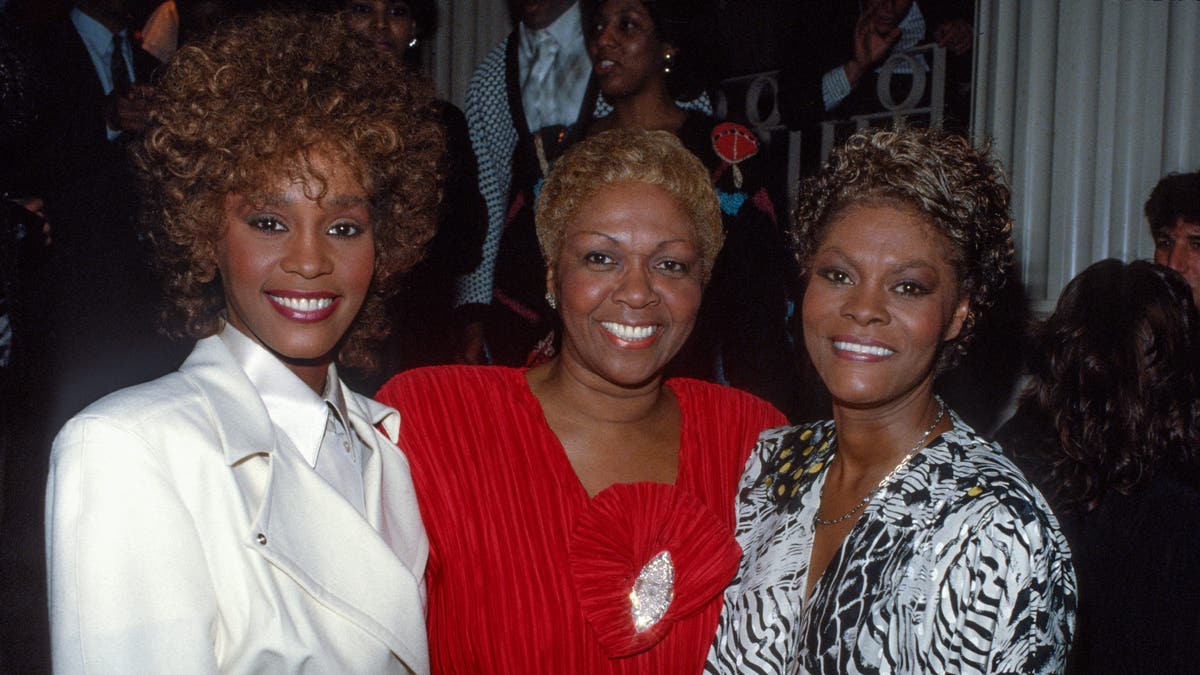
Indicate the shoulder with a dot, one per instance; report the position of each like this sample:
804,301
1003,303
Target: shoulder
433,388
968,485
489,74
787,459
699,397
147,419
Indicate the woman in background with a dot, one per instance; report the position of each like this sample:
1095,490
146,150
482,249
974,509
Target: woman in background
892,537
1110,427
580,513
645,57
422,313
250,513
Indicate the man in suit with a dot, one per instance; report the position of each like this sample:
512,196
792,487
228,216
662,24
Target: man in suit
100,296
539,76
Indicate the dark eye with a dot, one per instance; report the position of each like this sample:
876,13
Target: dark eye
910,288
267,224
834,275
1164,243
345,229
1194,244
674,266
598,259
399,10
359,8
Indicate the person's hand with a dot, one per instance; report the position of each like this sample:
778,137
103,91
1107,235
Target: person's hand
129,110
955,35
870,45
470,344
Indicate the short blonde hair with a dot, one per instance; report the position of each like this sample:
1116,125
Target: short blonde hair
629,155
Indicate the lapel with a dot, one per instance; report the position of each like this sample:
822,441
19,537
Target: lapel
368,571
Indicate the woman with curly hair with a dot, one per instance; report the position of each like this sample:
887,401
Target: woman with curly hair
893,537
1110,427
249,513
580,512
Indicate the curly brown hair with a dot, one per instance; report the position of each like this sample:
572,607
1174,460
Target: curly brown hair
248,107
634,155
961,190
1115,374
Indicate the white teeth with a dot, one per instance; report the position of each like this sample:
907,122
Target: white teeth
629,332
862,349
303,304
605,63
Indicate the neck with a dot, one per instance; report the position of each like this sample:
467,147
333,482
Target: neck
311,373
574,391
652,109
871,442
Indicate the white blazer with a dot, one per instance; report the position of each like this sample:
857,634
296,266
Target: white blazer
184,535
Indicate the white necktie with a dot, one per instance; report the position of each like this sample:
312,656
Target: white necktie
538,90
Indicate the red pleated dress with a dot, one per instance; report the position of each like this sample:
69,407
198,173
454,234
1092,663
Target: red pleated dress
526,572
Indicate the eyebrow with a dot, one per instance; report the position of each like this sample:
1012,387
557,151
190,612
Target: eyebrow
616,241
282,199
903,266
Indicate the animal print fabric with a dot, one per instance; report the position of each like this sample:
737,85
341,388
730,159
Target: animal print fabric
957,566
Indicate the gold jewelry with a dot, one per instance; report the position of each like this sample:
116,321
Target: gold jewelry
818,520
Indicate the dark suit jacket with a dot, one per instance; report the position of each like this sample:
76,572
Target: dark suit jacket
100,294
75,139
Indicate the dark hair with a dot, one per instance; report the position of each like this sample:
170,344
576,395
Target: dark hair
959,189
676,22
248,106
1115,375
1176,195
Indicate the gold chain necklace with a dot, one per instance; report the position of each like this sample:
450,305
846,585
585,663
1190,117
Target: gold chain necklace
818,520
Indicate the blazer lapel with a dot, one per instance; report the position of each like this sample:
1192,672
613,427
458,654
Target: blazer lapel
365,570
307,530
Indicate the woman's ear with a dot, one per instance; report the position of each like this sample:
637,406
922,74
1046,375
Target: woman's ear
958,318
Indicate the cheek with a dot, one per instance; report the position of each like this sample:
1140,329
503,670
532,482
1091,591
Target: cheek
362,269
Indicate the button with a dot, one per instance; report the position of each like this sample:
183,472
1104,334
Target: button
262,538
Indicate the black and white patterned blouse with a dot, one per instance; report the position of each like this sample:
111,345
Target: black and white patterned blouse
957,566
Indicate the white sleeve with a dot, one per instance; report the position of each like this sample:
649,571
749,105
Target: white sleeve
129,588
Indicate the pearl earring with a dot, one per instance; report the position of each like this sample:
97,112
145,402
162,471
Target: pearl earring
412,43
667,66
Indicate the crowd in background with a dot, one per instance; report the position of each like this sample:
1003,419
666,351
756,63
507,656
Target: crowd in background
1107,426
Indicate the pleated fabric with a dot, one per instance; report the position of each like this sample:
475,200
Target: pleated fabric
527,574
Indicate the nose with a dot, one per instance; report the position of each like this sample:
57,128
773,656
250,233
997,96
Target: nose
865,305
1177,258
636,288
379,18
604,35
308,255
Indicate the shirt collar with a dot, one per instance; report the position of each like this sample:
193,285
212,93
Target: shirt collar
567,31
94,34
293,407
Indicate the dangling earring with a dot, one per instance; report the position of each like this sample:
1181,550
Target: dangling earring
551,301
667,66
412,43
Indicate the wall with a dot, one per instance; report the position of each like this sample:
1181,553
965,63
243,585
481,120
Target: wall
1088,103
